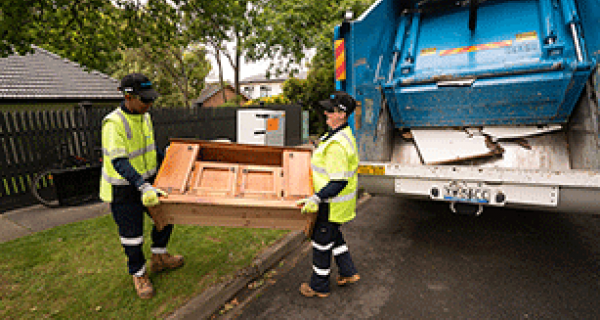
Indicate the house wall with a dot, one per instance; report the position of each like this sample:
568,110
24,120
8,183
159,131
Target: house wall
217,99
254,91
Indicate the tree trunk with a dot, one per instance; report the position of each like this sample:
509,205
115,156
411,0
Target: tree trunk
221,83
237,67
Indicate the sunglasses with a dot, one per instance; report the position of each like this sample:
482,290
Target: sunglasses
143,100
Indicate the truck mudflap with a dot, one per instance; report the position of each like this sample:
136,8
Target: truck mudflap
572,190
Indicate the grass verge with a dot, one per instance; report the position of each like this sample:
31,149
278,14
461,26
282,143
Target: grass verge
78,271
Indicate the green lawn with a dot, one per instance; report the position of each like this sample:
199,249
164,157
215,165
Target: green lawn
78,271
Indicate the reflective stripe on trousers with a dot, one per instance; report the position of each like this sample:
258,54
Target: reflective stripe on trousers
129,218
328,241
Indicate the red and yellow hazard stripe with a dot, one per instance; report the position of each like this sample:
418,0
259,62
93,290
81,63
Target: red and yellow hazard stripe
531,35
480,47
340,60
428,52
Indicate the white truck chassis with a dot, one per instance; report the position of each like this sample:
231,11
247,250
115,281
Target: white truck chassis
557,170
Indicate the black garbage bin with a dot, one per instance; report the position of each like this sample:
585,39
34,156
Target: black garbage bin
75,185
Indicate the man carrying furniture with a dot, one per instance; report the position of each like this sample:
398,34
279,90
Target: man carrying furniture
334,165
130,163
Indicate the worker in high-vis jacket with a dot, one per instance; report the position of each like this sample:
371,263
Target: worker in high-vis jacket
334,166
130,163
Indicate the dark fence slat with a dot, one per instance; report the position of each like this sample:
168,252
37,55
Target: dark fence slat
49,147
32,134
4,149
27,149
53,133
19,162
85,134
36,135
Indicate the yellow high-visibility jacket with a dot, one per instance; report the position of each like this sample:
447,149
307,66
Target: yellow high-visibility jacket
130,136
337,159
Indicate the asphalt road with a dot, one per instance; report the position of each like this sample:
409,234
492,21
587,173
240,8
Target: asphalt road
417,260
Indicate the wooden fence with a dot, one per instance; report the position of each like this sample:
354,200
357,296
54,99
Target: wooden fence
31,141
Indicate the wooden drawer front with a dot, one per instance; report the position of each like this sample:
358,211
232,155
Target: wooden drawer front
175,171
260,182
215,179
296,172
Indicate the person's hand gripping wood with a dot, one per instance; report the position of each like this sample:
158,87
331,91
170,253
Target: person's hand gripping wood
150,195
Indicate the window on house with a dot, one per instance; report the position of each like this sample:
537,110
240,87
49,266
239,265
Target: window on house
265,91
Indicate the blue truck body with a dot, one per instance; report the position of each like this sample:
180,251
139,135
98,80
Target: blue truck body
521,59
426,65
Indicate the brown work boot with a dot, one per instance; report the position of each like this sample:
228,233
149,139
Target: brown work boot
143,286
307,291
164,261
344,280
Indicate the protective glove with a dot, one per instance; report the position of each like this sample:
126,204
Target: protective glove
309,205
150,195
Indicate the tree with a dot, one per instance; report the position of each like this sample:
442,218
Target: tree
95,32
84,31
295,27
317,86
216,23
290,27
177,74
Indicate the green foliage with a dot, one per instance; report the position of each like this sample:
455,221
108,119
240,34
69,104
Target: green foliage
228,104
233,102
216,22
237,99
289,27
294,89
278,99
177,74
318,86
96,33
84,31
78,271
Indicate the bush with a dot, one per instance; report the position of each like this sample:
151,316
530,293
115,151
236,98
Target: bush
233,102
278,99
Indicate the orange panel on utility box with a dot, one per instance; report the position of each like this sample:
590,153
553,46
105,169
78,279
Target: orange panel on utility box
233,185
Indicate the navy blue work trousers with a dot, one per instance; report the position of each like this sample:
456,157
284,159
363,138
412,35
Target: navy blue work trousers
129,217
327,241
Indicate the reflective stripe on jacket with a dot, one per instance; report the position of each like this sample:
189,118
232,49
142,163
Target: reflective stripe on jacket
328,166
128,136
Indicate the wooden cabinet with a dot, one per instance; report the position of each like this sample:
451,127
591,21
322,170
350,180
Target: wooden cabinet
233,185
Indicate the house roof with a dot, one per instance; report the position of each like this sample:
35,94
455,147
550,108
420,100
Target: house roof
210,90
45,75
261,78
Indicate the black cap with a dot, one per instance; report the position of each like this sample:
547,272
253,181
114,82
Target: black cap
340,100
138,84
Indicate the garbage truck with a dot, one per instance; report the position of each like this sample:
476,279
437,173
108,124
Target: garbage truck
476,103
